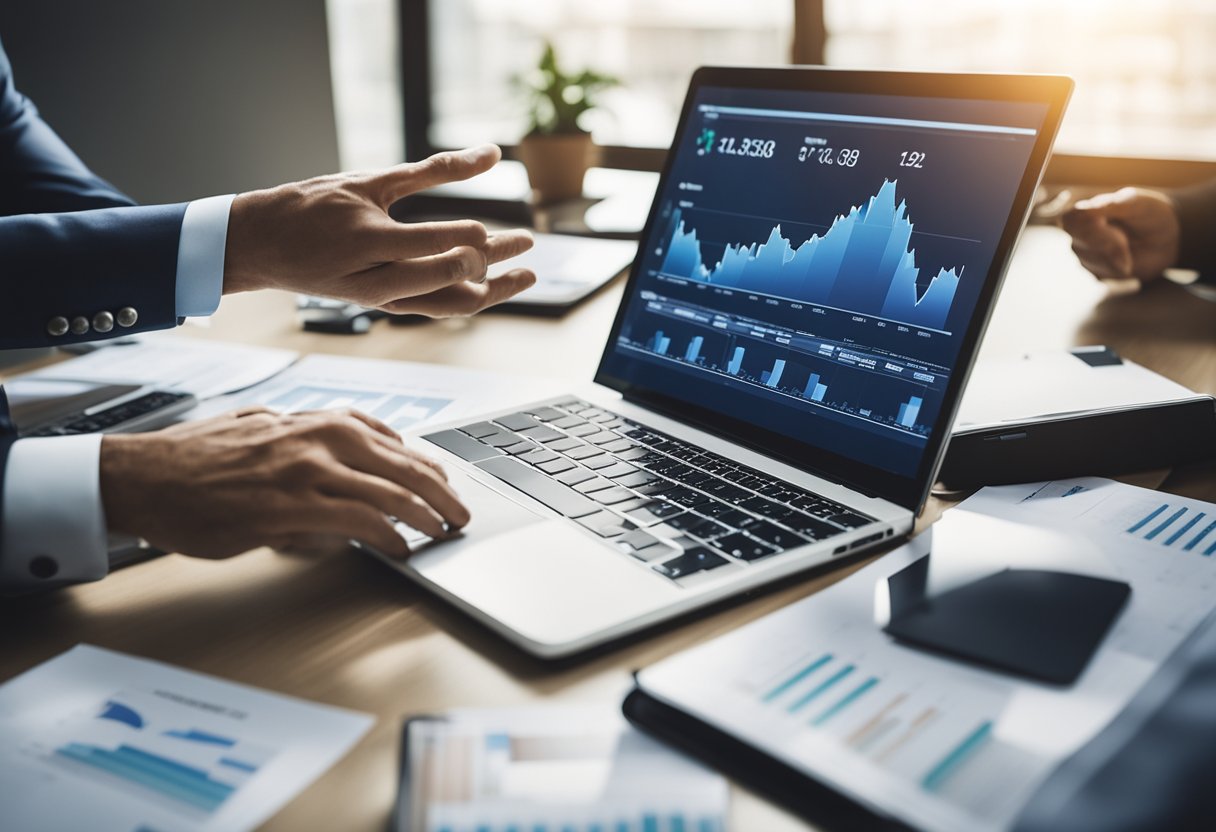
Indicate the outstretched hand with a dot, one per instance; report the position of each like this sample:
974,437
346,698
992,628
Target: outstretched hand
332,236
1131,233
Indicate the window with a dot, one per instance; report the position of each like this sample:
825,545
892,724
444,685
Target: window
1146,74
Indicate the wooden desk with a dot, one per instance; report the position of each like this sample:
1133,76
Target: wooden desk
346,631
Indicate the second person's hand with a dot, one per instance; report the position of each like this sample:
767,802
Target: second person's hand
1131,233
332,236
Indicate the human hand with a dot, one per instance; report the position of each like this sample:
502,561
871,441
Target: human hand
332,236
218,487
1131,233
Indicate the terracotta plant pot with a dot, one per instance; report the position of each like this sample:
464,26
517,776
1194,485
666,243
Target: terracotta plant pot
556,164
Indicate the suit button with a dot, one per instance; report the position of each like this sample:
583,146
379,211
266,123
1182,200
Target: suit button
127,316
44,567
57,326
103,321
80,325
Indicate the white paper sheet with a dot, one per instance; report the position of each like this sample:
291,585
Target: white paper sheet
191,365
554,769
942,744
405,395
103,741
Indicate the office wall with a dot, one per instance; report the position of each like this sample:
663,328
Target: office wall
177,99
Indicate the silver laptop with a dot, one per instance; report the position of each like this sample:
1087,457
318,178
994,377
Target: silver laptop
775,394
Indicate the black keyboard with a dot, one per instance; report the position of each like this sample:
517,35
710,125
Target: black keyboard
112,417
667,502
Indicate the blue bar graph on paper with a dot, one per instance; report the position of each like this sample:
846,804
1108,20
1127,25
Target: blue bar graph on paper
950,763
1197,539
650,823
821,688
694,349
736,362
1165,525
1210,550
1186,527
797,677
774,376
1141,523
848,699
172,779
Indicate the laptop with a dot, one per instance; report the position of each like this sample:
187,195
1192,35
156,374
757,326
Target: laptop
775,394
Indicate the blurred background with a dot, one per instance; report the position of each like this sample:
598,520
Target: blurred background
296,87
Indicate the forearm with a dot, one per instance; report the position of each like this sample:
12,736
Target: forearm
1196,208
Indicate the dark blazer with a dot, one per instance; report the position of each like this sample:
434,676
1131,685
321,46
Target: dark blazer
71,245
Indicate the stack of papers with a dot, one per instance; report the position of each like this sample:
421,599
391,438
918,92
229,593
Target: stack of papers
188,365
101,741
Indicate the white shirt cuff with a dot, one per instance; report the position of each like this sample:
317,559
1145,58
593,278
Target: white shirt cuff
200,255
54,525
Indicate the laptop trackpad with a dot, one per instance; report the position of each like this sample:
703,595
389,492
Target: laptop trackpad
542,578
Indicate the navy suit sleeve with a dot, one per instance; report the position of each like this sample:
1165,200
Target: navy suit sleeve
71,245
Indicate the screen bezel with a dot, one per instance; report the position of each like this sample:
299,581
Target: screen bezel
908,491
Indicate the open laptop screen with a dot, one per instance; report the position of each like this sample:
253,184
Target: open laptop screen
814,261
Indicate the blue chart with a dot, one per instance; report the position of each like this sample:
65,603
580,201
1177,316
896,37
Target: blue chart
1180,527
862,263
194,770
894,728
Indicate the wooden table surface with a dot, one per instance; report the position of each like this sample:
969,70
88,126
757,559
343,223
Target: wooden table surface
346,631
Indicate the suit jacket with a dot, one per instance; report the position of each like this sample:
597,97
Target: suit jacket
71,245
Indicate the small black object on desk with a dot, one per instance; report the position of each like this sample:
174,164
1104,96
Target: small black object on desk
1037,623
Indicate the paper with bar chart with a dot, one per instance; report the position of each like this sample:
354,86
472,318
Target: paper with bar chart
940,743
551,769
99,740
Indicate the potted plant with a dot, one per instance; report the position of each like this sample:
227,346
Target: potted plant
556,151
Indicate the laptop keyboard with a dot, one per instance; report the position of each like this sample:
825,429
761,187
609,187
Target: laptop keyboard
669,503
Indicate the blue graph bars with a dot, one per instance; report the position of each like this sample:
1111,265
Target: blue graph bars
661,343
941,772
736,362
823,687
181,782
1165,528
774,375
694,349
845,701
909,410
797,677
863,263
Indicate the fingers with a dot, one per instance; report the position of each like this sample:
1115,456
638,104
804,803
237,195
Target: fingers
352,519
465,298
409,473
452,166
401,241
1101,245
423,275
392,500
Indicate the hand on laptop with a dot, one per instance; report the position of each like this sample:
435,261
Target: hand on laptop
1131,233
332,236
218,487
